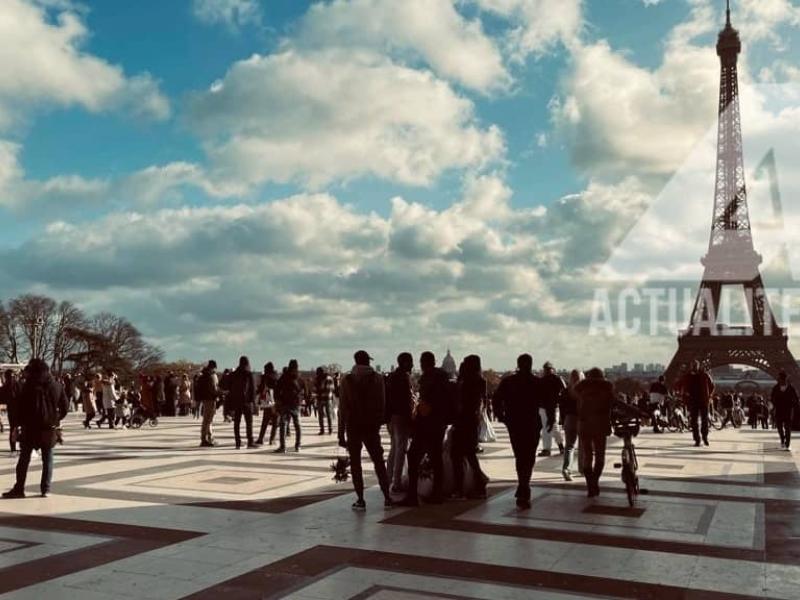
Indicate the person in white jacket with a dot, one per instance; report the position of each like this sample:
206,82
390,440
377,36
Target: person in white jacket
110,397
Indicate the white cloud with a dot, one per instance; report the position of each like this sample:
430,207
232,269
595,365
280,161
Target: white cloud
232,13
43,65
760,19
71,193
322,116
620,117
479,272
537,25
455,47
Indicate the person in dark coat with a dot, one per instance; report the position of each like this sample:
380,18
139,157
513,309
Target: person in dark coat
159,395
697,387
361,414
516,403
785,402
430,422
290,395
42,405
241,401
568,414
8,397
269,417
399,408
595,400
170,394
324,388
553,388
471,395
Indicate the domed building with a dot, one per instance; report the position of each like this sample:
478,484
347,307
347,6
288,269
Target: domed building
449,365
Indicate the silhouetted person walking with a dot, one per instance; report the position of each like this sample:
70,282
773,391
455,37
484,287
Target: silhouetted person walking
429,424
552,389
517,403
323,388
290,395
269,416
568,414
206,394
399,408
361,414
42,405
697,386
785,402
9,397
471,394
595,396
241,400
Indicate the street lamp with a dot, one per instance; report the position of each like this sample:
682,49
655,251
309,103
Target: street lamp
37,327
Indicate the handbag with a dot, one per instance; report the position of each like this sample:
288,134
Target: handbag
486,432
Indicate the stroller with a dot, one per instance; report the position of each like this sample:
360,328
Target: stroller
141,416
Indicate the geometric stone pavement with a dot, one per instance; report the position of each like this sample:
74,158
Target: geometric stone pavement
149,514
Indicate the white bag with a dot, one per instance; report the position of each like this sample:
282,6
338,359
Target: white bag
486,432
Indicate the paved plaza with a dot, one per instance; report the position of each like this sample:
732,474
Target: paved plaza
148,514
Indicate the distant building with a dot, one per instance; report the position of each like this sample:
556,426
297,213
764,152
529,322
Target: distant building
449,365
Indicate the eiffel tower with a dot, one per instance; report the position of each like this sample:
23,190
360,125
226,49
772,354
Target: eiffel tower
731,259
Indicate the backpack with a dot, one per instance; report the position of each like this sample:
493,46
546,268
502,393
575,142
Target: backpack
204,388
365,412
44,413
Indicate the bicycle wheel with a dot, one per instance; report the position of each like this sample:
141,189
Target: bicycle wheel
672,424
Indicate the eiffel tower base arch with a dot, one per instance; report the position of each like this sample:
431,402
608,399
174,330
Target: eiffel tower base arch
770,354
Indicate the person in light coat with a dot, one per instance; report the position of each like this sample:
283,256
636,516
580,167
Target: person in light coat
110,397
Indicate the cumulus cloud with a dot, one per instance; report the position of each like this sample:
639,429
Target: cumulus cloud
71,194
232,13
537,25
327,115
480,273
43,65
622,118
312,261
455,47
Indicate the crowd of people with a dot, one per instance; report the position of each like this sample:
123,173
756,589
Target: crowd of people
432,419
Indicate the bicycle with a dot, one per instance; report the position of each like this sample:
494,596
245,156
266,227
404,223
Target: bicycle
676,419
627,428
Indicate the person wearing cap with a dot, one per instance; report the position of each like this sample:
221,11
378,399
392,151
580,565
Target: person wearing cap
361,415
206,393
785,401
290,394
553,388
429,424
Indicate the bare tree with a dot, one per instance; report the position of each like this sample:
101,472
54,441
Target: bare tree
34,316
9,341
68,317
38,326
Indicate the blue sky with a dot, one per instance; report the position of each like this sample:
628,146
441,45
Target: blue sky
475,161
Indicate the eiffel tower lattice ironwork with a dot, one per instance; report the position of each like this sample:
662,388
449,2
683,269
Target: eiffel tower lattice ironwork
731,259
